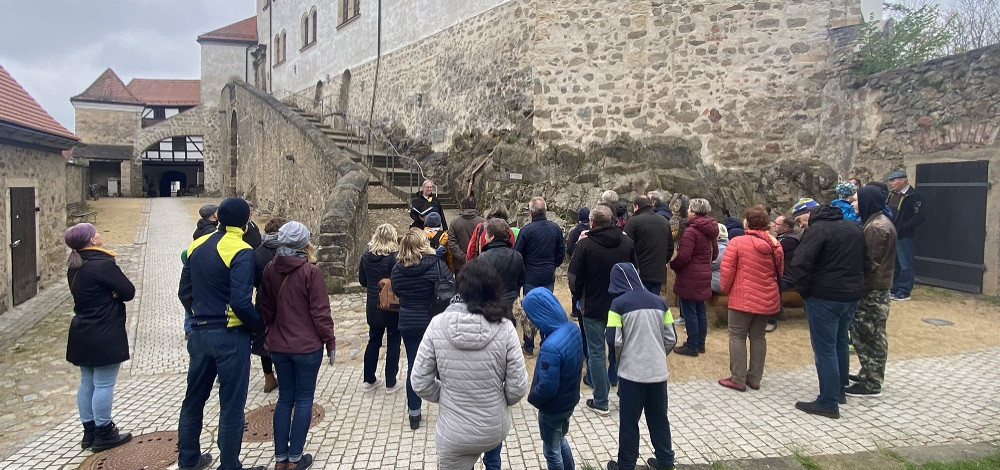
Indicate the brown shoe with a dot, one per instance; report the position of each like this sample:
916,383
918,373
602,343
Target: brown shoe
281,465
270,383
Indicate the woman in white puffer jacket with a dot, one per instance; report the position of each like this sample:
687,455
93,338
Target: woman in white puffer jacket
470,363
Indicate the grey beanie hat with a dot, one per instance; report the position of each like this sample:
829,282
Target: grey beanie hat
293,235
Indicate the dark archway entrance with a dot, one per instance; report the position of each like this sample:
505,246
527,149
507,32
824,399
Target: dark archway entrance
169,177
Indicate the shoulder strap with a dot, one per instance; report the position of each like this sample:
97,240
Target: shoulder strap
437,237
774,258
77,273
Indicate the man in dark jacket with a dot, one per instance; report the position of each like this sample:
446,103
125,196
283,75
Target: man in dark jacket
659,206
644,337
868,328
542,247
424,202
571,240
828,270
555,388
208,223
654,244
589,277
217,287
784,229
461,231
909,212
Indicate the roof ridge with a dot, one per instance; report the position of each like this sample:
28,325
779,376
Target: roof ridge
110,88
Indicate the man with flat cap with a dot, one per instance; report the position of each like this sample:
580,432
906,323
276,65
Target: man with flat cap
216,287
908,213
208,223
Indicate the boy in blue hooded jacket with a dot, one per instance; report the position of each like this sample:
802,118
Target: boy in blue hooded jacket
555,389
644,337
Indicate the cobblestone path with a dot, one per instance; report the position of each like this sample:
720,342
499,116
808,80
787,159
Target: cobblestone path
940,400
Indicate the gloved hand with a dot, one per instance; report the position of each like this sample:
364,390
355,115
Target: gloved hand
441,250
331,356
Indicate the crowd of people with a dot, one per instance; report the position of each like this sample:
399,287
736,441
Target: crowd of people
454,298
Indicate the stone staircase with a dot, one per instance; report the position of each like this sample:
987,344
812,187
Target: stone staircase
391,172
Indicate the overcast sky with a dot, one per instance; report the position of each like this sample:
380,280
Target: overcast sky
56,48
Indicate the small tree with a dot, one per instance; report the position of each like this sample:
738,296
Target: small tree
917,36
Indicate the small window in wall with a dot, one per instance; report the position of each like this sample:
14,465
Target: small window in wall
349,9
309,28
278,49
305,30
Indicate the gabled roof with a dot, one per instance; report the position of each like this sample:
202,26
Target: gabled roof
17,107
108,88
157,92
242,31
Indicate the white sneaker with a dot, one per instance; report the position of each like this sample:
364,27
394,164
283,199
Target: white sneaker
901,299
399,385
370,387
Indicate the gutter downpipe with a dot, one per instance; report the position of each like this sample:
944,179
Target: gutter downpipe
270,56
378,62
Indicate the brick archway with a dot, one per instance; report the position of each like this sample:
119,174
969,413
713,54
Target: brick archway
190,122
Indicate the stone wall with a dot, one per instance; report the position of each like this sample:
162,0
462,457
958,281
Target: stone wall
474,75
38,169
77,179
285,160
743,77
98,124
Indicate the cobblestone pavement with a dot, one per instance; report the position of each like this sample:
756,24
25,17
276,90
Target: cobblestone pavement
940,400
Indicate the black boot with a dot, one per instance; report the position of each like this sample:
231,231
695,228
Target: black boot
88,435
108,437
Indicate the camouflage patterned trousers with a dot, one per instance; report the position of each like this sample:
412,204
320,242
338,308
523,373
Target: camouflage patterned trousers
869,337
528,329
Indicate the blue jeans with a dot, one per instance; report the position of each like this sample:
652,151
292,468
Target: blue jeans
491,458
222,352
555,447
187,321
653,287
695,321
296,389
902,280
96,393
412,342
595,330
829,323
529,340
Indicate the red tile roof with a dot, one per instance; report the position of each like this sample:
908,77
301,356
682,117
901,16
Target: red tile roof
156,92
19,108
108,88
243,31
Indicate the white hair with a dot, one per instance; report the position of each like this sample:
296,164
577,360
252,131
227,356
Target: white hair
699,206
537,205
609,196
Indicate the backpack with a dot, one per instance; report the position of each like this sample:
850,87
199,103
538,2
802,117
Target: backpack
387,300
444,290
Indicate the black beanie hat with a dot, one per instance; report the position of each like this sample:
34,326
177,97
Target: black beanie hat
233,212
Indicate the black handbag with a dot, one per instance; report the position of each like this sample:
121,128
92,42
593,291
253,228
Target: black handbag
444,290
780,316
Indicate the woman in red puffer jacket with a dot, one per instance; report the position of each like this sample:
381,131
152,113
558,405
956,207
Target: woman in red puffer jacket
750,271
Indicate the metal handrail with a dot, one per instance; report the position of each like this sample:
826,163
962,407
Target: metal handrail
360,129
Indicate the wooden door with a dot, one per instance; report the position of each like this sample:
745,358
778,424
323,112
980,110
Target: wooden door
24,262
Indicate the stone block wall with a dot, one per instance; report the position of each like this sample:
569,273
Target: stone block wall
952,103
474,75
77,179
35,168
282,158
744,77
106,126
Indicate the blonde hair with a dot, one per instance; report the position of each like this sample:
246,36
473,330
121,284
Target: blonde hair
413,247
310,252
383,241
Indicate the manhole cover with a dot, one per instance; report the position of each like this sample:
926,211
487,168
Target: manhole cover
153,451
938,322
259,425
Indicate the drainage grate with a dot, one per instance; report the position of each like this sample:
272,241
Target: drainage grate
937,322
259,425
153,451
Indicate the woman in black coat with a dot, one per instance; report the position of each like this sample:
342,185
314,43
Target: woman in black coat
413,280
376,264
263,254
98,342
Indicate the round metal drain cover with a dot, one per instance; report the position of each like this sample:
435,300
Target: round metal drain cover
938,322
259,425
153,451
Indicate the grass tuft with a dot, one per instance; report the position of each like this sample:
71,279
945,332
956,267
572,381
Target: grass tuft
805,460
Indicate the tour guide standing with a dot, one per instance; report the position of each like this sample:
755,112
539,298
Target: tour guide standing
828,271
908,213
423,203
216,286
